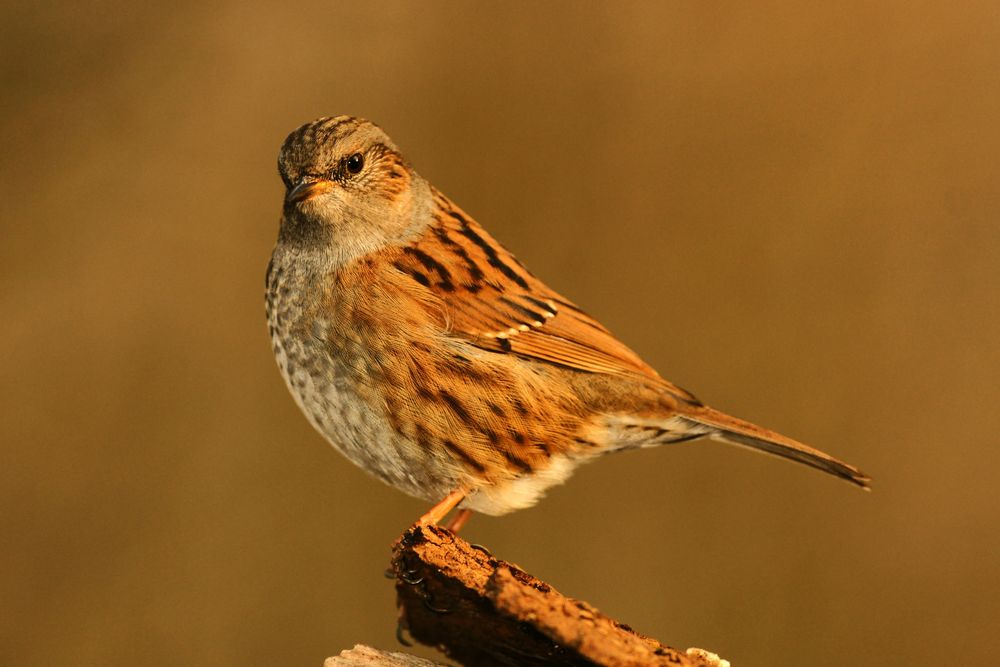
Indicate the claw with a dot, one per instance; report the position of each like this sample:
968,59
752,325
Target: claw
401,635
408,577
429,603
428,600
480,547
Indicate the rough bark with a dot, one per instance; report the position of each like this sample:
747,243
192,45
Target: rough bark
366,656
480,610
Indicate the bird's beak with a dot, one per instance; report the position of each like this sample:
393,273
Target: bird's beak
307,189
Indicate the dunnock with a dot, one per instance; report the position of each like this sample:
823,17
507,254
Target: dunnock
432,358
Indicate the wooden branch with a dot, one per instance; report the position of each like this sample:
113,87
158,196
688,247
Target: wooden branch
482,611
366,656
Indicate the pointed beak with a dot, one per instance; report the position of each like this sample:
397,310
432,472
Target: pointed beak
307,189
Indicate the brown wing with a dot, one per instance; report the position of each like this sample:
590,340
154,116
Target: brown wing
491,300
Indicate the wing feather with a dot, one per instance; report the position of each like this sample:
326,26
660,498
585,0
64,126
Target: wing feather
492,301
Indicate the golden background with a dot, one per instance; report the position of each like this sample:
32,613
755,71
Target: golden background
792,209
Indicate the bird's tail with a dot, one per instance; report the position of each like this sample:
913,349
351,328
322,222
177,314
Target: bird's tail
738,432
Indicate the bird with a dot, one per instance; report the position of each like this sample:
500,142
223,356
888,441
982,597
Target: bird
429,356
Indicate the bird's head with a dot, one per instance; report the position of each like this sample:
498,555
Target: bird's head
348,187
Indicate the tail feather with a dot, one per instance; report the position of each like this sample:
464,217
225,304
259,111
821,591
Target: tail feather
739,432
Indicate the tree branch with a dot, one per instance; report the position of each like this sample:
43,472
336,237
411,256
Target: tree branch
366,656
482,611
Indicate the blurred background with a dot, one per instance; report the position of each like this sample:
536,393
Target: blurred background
792,209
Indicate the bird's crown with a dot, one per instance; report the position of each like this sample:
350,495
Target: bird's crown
318,148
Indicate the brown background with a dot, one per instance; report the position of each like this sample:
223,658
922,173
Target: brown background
791,210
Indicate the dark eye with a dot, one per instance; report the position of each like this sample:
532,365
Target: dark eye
355,163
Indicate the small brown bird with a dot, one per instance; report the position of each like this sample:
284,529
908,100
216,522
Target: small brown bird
432,358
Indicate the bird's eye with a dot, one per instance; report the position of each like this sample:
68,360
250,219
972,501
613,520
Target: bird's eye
355,163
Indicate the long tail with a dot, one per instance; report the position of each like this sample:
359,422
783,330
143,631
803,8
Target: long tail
738,432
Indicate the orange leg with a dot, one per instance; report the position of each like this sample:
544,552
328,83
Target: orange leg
438,512
459,520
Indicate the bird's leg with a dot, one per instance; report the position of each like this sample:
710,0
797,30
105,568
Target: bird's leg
459,520
438,512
